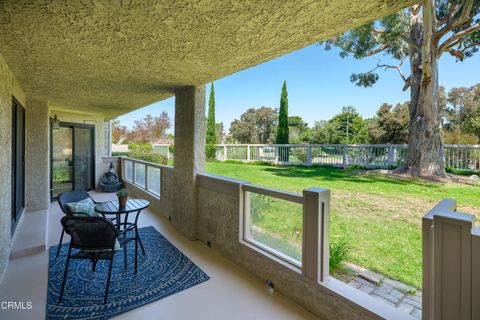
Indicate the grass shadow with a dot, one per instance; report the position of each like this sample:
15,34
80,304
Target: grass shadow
337,174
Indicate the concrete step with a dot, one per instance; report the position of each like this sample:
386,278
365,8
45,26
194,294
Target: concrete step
31,234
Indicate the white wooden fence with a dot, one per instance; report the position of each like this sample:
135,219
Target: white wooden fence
343,155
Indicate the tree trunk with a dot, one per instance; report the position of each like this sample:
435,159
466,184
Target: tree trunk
425,155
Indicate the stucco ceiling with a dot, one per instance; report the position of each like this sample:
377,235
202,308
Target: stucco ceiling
116,56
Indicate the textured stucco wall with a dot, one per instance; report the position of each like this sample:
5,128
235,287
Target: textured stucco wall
218,222
107,138
126,54
189,155
37,156
6,84
167,190
8,88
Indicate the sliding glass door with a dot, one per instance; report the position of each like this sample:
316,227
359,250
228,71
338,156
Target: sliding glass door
72,158
82,164
18,162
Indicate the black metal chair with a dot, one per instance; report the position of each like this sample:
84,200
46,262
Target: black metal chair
72,196
93,238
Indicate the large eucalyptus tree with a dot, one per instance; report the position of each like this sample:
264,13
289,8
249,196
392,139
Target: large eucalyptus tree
420,34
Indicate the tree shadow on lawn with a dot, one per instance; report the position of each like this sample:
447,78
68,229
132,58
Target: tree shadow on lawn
337,174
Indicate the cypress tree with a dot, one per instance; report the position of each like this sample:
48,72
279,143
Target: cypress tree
211,132
282,129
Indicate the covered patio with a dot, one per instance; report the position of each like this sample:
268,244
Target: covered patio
230,293
84,64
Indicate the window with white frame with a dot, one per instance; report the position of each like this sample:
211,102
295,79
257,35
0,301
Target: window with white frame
272,222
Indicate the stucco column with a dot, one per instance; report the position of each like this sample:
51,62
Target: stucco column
189,155
107,139
37,156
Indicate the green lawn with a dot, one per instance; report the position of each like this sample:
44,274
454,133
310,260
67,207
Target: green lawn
379,217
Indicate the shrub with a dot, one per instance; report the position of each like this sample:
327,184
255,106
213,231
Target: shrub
210,152
461,172
144,147
147,155
356,167
338,254
119,154
299,154
237,153
255,163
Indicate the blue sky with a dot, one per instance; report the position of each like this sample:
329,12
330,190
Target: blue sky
318,83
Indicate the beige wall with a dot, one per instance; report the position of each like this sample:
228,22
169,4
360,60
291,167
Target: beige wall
8,88
37,156
189,155
37,152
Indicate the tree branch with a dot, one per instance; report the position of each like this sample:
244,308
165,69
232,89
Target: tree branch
414,10
400,35
474,44
378,50
463,18
409,41
400,72
378,30
457,36
460,54
398,67
465,15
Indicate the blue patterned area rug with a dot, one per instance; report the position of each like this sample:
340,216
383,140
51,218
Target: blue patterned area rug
163,271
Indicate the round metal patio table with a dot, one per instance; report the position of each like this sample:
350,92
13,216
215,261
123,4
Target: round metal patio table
134,206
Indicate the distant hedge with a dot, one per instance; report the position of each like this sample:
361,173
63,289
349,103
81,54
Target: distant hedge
143,152
119,154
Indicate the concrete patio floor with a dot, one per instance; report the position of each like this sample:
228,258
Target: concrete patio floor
231,293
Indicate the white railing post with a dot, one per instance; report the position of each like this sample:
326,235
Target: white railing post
123,174
475,273
391,160
225,156
276,154
134,176
309,155
344,156
427,272
450,246
246,214
452,267
146,176
248,153
316,236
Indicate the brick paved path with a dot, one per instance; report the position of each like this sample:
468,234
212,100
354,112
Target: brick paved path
392,292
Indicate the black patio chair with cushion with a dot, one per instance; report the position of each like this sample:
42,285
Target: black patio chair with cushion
92,238
69,197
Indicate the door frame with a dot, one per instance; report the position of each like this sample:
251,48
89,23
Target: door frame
73,125
14,218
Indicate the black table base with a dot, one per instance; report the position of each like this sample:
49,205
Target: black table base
134,206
